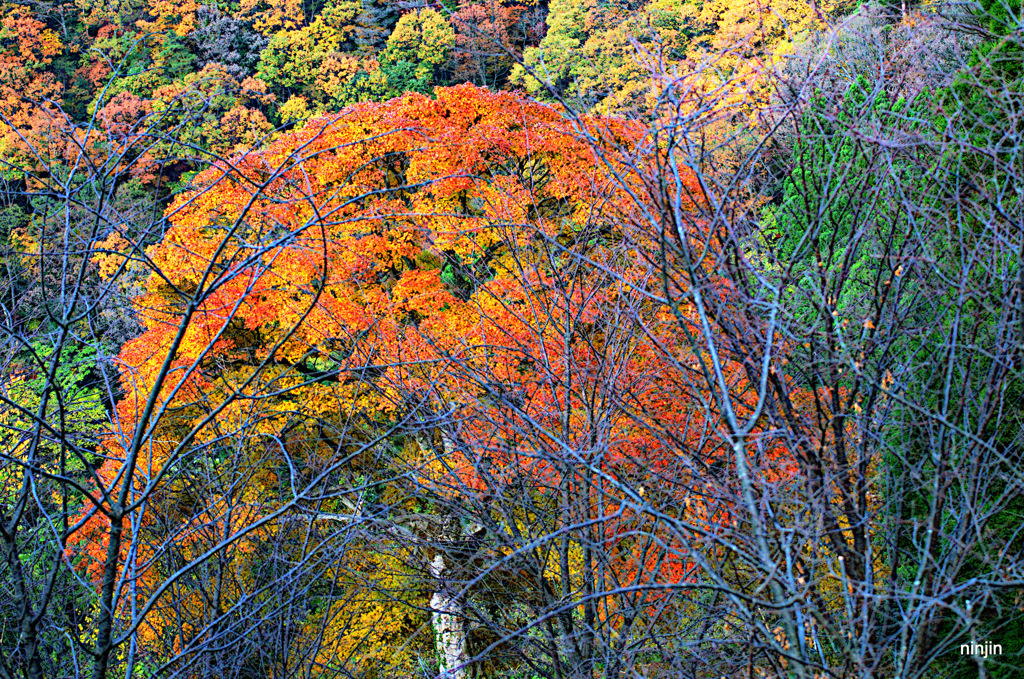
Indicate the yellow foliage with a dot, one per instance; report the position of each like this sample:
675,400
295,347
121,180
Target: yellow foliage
380,625
271,16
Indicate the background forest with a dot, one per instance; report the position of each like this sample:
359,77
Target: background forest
378,339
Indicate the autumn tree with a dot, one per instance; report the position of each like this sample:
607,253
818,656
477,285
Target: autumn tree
28,93
389,341
60,328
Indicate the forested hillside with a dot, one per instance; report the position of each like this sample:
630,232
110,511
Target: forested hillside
557,339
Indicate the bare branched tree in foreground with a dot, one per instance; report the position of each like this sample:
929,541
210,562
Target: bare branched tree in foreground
874,305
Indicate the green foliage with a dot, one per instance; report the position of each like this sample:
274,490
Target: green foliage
834,219
1001,53
73,417
558,52
176,57
342,15
996,71
365,85
12,217
417,52
131,64
406,76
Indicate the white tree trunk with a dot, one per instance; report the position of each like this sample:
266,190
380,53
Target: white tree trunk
449,630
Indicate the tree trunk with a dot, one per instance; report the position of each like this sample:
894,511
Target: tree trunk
448,622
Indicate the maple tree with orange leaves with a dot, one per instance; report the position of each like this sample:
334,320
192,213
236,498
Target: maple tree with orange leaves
418,259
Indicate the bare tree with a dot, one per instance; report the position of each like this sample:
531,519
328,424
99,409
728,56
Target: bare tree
873,305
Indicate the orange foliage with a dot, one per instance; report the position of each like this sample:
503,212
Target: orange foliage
177,16
28,93
414,238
